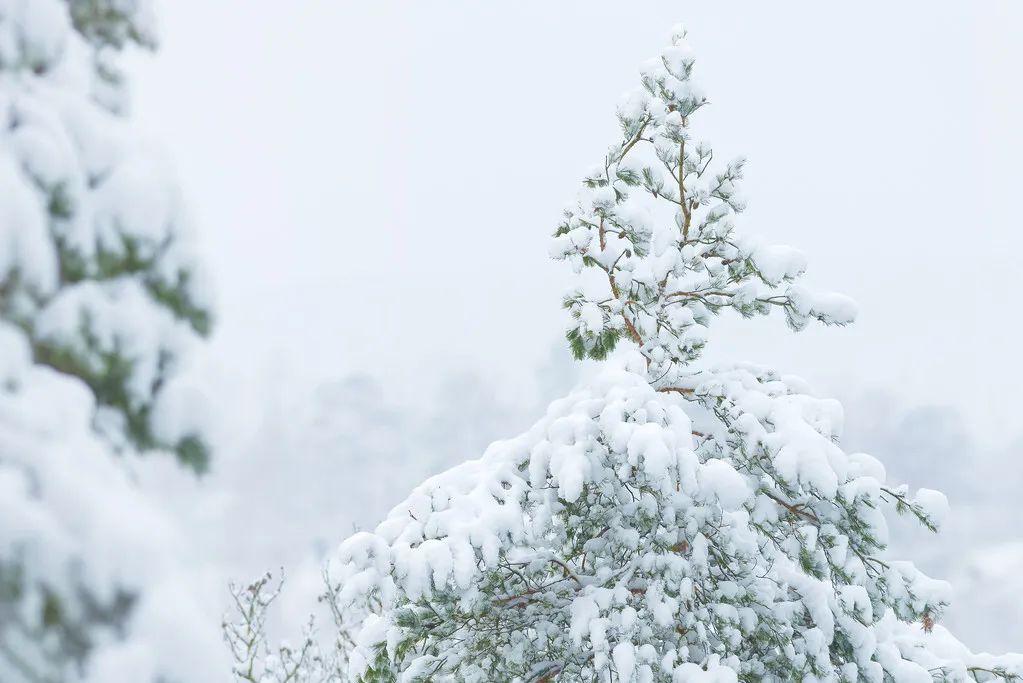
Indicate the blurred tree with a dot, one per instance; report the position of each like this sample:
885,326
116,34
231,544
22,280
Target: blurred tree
100,300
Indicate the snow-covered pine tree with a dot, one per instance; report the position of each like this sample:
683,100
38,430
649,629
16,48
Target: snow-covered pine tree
99,301
670,521
96,266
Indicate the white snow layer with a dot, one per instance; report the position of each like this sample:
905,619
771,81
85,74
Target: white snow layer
77,521
74,178
59,146
461,524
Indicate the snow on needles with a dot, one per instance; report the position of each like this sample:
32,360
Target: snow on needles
667,521
74,524
624,534
97,263
100,303
656,220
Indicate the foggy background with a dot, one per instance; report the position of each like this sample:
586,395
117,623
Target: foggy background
376,183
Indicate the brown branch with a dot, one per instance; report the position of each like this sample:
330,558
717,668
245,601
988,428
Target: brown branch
567,570
686,211
632,143
677,390
524,595
700,295
794,509
633,333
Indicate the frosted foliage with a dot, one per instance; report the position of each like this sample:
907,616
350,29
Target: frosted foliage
115,22
100,300
655,222
88,590
727,533
96,256
668,521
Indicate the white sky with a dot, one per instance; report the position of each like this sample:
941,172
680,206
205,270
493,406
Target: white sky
376,181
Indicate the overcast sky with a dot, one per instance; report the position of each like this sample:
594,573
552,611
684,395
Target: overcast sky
375,182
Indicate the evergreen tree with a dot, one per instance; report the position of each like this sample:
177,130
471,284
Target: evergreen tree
671,521
96,266
100,300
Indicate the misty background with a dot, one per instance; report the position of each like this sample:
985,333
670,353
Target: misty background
375,185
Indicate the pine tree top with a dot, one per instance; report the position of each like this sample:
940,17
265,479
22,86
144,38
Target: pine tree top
655,222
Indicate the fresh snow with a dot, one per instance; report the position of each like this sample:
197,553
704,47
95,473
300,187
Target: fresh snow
99,306
668,520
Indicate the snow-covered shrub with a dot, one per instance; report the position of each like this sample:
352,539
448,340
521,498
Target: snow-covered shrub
100,300
254,659
670,521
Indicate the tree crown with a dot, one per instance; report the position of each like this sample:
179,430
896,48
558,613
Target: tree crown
656,222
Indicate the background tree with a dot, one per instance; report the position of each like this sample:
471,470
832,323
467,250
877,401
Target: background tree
670,521
100,299
98,268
